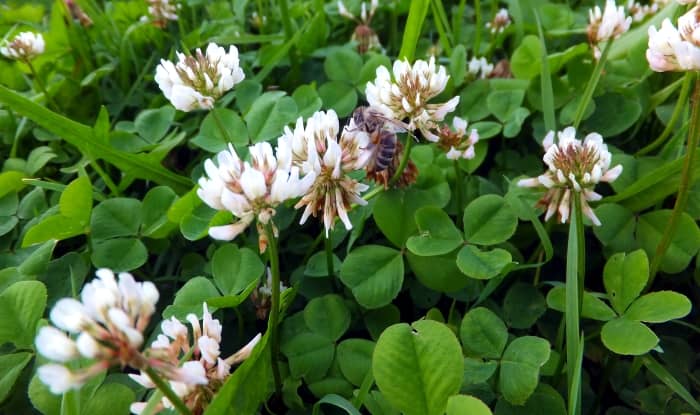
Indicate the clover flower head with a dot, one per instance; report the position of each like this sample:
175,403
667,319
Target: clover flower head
108,321
574,168
458,143
480,67
639,11
500,21
24,47
364,35
404,94
670,49
162,11
605,26
317,150
197,379
249,190
197,81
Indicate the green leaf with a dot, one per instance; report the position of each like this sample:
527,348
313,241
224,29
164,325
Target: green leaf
56,227
478,370
154,211
374,274
624,277
379,319
341,65
115,217
339,96
684,244
520,368
317,266
437,234
439,273
337,401
76,200
523,305
42,399
354,357
418,367
545,400
307,100
190,297
458,65
11,366
617,228
269,114
593,307
466,405
482,265
11,181
37,262
525,62
614,113
119,254
21,305
394,214
327,316
483,333
110,398
212,139
667,378
234,269
628,337
503,103
310,355
659,307
152,124
489,220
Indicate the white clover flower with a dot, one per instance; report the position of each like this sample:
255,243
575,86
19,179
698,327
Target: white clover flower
670,49
457,142
24,47
404,94
249,190
639,11
500,21
480,67
202,373
162,11
574,168
109,322
608,25
196,82
317,151
364,35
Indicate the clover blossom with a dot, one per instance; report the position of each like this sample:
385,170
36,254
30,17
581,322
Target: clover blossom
197,81
363,34
197,380
574,168
639,11
406,94
317,150
480,67
262,296
499,23
162,11
249,190
456,141
24,47
605,26
671,49
108,321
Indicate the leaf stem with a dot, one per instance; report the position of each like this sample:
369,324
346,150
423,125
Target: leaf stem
220,125
459,179
105,177
591,85
683,187
404,161
167,391
41,86
328,242
677,111
273,256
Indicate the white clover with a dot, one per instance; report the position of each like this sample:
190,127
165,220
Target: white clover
458,143
574,168
54,344
162,11
500,21
363,34
249,190
639,11
59,378
25,46
317,150
480,67
404,94
608,25
670,49
197,81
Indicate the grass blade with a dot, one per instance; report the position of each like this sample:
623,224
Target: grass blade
546,84
572,317
667,378
416,16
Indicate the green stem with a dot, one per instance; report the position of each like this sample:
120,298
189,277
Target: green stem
274,307
41,86
684,186
457,25
220,125
372,193
167,391
70,404
590,86
329,256
478,26
105,178
573,290
404,161
677,111
459,179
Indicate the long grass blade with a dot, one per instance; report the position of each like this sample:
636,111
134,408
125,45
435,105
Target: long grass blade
572,316
414,24
667,378
546,84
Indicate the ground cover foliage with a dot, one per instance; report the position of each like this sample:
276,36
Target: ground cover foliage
432,268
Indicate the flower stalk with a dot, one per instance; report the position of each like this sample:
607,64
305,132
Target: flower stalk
273,257
402,164
167,391
683,187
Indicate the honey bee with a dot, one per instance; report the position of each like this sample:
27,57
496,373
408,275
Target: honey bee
382,134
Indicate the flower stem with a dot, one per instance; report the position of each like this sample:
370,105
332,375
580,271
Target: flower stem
41,86
220,125
683,187
273,256
574,290
677,111
459,179
402,164
329,256
167,391
105,177
590,86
